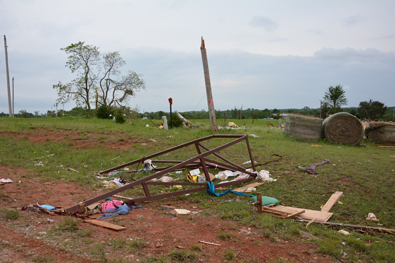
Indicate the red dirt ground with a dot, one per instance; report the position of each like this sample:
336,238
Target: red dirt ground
79,140
157,229
23,240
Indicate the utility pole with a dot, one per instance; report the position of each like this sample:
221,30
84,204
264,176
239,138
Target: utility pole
13,97
210,100
320,108
8,77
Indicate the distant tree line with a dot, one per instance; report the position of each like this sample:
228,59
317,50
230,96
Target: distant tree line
375,109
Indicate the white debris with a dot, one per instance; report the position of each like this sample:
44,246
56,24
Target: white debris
265,176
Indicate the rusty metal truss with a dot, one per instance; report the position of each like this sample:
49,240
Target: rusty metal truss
201,159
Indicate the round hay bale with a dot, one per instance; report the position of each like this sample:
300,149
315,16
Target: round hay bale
381,132
303,128
343,127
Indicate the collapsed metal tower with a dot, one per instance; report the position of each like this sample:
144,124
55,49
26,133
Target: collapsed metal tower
201,159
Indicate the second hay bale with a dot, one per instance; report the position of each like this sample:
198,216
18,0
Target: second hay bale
381,132
344,128
303,128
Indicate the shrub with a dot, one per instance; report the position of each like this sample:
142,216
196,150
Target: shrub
175,121
119,118
9,214
104,112
68,224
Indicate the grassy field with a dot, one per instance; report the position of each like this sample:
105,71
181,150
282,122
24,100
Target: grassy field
366,175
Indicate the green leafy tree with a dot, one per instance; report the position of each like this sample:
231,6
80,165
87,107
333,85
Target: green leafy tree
94,70
335,97
375,109
81,60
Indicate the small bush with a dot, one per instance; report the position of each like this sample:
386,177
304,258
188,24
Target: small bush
138,243
117,244
196,248
229,254
9,214
225,236
104,112
175,121
68,224
119,118
182,255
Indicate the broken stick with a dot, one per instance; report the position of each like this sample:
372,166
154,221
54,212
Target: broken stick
208,243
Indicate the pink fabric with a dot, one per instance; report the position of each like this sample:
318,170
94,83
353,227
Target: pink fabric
110,205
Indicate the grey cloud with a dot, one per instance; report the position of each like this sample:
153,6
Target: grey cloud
278,39
263,22
237,78
385,37
351,53
352,20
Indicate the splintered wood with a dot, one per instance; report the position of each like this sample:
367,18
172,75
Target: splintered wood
247,188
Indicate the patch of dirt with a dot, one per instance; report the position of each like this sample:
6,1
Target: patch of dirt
84,140
30,236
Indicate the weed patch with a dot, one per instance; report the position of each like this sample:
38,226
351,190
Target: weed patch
229,255
9,214
183,255
68,224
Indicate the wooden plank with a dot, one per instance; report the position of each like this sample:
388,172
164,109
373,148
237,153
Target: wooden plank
320,216
332,200
296,214
92,206
243,189
105,224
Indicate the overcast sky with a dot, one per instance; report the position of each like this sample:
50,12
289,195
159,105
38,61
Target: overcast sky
261,54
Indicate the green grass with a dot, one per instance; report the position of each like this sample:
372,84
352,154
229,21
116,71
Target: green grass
9,214
366,175
137,243
44,259
229,255
183,255
68,224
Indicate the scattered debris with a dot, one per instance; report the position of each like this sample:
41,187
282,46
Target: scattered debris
5,181
372,217
182,211
247,188
199,160
253,135
232,125
358,227
307,235
311,169
344,232
265,176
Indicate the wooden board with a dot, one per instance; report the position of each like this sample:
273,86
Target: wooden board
244,188
105,224
332,200
319,216
92,206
